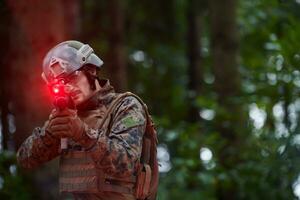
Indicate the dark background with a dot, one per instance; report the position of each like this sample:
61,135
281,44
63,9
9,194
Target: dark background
221,79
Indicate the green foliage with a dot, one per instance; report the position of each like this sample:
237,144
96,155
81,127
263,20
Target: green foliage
13,185
261,162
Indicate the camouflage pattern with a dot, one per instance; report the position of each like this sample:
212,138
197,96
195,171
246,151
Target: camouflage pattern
38,148
104,196
116,151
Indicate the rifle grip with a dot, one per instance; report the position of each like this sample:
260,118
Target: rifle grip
64,144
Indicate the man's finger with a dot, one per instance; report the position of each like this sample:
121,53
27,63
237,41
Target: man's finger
61,134
65,112
60,128
59,120
52,113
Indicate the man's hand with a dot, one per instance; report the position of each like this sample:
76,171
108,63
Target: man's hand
65,124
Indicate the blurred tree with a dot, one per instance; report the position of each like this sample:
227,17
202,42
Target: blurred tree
5,74
195,25
230,120
115,58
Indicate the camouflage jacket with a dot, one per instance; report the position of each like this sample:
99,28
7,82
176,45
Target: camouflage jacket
116,152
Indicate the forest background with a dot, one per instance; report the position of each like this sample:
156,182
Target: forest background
221,79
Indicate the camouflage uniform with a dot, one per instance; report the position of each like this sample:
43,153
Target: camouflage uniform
115,152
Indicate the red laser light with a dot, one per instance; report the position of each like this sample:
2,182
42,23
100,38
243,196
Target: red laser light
55,89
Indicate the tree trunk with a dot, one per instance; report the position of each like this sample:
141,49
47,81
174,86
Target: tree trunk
5,74
229,118
72,19
116,60
224,44
195,71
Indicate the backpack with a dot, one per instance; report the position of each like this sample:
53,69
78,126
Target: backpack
147,175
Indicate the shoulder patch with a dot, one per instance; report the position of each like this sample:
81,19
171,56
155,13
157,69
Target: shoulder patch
132,121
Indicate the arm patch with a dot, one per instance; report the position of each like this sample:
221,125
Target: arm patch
132,121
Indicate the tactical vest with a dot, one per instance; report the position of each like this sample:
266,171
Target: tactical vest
79,174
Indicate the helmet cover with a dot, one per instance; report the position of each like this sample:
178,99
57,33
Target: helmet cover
67,57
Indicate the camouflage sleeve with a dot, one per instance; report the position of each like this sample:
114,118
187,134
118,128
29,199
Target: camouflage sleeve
38,148
118,153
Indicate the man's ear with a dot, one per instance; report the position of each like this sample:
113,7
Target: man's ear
94,71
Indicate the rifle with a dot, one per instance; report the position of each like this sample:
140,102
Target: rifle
61,101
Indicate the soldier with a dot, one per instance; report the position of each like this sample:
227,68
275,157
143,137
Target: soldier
99,137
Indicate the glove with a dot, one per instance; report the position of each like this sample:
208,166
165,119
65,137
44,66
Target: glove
65,124
46,135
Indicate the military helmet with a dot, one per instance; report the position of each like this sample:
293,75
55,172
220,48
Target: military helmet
67,57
